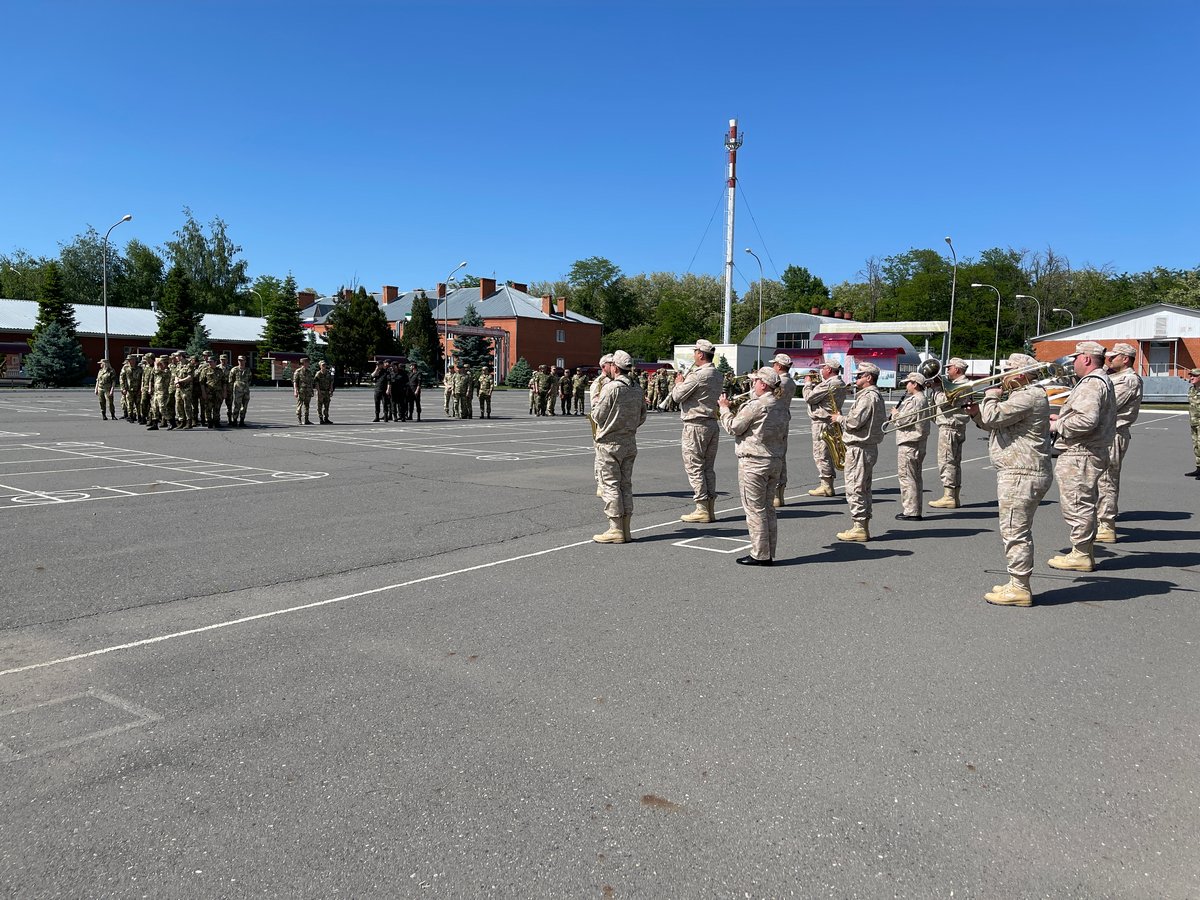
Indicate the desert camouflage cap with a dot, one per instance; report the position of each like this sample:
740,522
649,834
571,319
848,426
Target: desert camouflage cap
1122,350
1194,373
958,362
767,376
622,360
782,359
868,369
916,378
1021,361
606,359
832,364
1091,348
706,346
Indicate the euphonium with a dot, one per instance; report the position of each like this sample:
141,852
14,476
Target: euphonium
832,436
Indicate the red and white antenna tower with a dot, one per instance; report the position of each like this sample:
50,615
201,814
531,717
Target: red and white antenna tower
733,140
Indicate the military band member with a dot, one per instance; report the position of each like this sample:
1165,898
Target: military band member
597,386
1194,417
487,384
912,434
323,382
697,394
1127,391
782,364
822,397
619,413
862,429
1084,428
952,431
105,379
302,385
1018,428
759,431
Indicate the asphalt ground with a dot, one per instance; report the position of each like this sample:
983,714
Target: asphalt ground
382,660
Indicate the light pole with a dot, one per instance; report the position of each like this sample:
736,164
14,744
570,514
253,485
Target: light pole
1068,312
953,287
996,344
104,276
1038,329
261,306
446,316
760,281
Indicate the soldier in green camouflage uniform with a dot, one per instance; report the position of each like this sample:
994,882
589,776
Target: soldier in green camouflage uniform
105,380
548,393
202,401
323,382
565,387
214,390
132,396
448,386
464,387
1194,417
533,392
123,381
224,364
147,387
240,377
302,385
185,379
160,382
579,386
486,385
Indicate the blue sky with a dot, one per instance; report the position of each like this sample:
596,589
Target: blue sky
385,142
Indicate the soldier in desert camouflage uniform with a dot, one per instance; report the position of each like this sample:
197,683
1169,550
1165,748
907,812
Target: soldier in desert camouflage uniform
862,428
823,395
697,394
1018,428
1127,391
618,413
782,364
912,434
952,431
1085,429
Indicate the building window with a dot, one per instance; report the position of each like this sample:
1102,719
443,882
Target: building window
560,336
792,340
560,363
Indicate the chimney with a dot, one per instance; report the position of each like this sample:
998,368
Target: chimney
441,292
562,306
487,287
546,305
305,298
389,295
347,293
517,286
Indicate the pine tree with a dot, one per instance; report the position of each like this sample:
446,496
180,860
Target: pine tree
421,334
315,352
283,330
519,374
56,359
471,350
53,308
427,377
723,366
199,342
178,315
357,331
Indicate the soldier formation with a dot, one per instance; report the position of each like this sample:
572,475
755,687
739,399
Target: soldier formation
176,391
551,387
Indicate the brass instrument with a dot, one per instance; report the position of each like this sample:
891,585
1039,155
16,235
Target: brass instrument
738,400
832,436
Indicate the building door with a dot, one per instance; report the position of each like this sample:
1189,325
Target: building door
1158,355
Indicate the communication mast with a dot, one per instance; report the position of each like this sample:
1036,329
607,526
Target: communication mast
732,141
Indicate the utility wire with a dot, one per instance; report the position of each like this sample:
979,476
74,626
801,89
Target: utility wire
761,239
720,197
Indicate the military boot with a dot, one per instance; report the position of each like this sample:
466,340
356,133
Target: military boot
778,501
858,532
948,500
615,533
625,532
1015,593
701,513
824,490
1078,560
1106,533
712,508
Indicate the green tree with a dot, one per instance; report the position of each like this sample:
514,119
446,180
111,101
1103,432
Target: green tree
56,359
519,375
140,281
466,281
357,331
210,261
178,315
314,351
421,334
472,350
428,379
53,308
198,342
283,331
593,281
803,290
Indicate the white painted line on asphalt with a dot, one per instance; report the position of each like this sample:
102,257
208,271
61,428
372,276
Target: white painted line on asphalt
690,544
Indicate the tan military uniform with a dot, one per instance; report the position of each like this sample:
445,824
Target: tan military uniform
618,413
1127,392
787,391
697,398
1086,428
1019,447
912,436
952,431
821,398
759,431
862,429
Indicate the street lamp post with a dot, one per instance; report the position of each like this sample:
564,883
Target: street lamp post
104,276
446,316
261,306
1038,329
996,344
1068,312
953,287
760,281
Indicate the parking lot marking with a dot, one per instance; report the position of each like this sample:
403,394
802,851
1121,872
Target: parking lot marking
141,716
691,544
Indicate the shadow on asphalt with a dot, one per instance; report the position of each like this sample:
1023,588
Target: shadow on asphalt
1098,589
843,552
1153,515
1151,559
